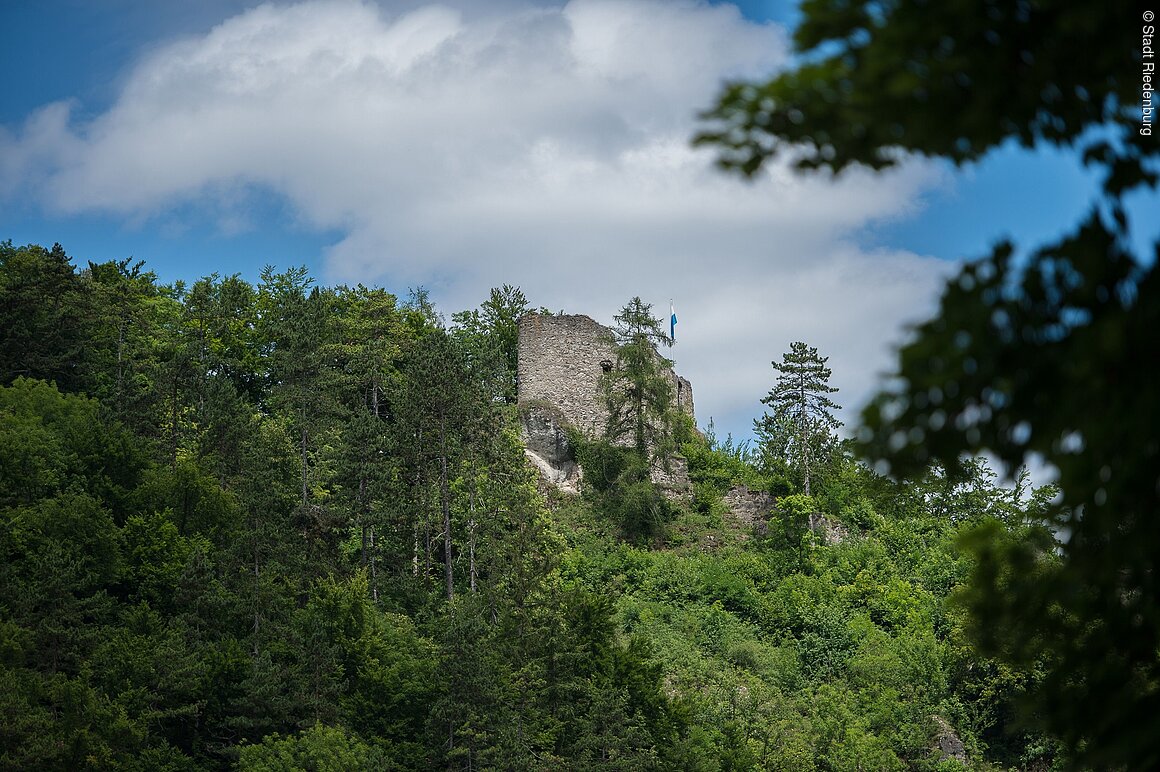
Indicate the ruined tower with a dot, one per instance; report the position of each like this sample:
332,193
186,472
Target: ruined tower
561,359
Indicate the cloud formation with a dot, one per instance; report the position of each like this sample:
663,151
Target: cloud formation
545,146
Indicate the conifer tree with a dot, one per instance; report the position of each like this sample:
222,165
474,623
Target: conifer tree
641,424
802,420
489,336
297,325
44,313
637,393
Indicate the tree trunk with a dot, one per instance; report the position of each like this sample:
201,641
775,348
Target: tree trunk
803,442
362,488
374,574
415,552
471,535
445,501
257,600
173,426
304,478
120,362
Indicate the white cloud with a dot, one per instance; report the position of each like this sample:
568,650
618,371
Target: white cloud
542,146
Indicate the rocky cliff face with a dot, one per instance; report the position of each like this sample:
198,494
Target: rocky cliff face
547,447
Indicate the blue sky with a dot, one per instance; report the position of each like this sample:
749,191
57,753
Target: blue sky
122,134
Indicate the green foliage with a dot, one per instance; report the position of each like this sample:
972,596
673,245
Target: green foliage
603,462
320,748
641,509
621,484
642,432
637,392
51,442
800,428
243,571
155,555
715,467
1024,344
877,78
44,313
789,527
193,500
129,314
441,413
371,669
490,336
58,721
1054,342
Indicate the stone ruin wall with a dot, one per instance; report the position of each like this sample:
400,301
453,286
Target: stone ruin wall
559,384
559,363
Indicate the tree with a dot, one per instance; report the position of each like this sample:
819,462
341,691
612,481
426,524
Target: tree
802,421
298,327
124,327
1036,353
373,334
637,391
440,412
44,310
322,748
490,336
640,433
210,363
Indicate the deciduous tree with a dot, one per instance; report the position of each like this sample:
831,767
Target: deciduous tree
1034,353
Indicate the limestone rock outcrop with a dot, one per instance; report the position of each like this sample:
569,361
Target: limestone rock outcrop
949,746
547,447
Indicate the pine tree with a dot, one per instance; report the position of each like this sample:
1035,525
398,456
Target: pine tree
45,310
802,421
298,328
637,391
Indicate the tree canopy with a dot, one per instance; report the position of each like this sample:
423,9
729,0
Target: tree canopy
1033,354
293,526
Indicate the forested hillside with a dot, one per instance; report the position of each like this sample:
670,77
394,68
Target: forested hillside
287,526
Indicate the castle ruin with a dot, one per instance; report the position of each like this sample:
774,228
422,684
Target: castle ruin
561,359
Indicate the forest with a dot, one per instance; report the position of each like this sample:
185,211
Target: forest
286,526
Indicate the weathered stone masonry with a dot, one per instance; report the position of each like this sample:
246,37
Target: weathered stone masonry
560,363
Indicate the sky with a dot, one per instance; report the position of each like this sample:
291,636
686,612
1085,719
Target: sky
463,145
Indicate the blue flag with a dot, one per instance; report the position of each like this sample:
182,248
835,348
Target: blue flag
672,323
